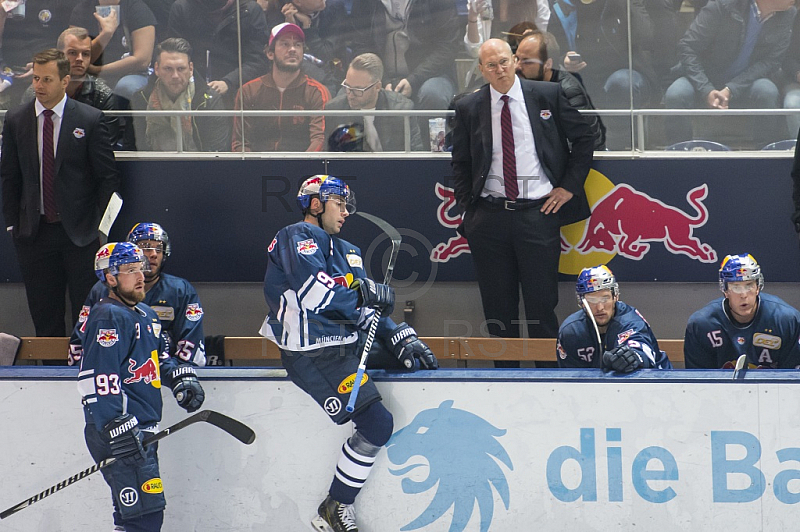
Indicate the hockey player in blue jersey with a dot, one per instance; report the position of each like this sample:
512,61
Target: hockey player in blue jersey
319,299
173,299
628,342
744,321
120,382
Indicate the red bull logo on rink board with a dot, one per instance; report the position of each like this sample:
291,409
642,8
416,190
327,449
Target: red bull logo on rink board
624,222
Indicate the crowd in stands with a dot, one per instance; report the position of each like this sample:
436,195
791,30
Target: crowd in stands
401,55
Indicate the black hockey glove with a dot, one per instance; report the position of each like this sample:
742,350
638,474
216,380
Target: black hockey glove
623,359
125,439
374,295
186,388
407,347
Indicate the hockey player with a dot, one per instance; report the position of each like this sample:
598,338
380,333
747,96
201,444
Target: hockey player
319,298
120,383
173,299
628,342
745,321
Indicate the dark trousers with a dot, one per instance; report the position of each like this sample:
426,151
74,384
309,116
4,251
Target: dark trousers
50,264
509,249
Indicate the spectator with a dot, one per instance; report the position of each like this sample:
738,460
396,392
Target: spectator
284,88
52,211
521,155
363,90
726,58
744,322
212,27
791,73
83,87
417,41
626,341
325,25
505,16
174,87
534,63
123,47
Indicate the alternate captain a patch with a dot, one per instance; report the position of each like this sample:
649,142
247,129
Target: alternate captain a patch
307,247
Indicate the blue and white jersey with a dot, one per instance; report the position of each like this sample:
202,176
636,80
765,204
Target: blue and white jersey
306,288
770,340
175,302
119,370
577,340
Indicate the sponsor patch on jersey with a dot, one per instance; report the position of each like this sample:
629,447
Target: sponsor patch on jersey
272,245
346,386
561,353
354,261
107,337
149,371
84,313
153,485
164,313
307,247
194,311
128,496
740,340
156,330
332,406
621,337
766,340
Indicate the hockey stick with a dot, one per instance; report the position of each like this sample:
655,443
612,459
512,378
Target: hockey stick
237,429
594,323
741,368
394,236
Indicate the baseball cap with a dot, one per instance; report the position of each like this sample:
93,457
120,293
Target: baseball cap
285,29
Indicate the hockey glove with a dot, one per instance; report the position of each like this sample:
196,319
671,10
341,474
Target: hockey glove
407,347
125,439
374,295
623,359
186,388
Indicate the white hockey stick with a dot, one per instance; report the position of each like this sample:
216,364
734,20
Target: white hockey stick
741,367
394,236
594,323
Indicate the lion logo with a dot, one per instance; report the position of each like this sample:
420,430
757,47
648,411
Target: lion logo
462,452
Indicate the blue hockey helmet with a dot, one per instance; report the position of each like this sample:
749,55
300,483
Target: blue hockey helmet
595,279
347,137
736,268
113,255
150,231
325,186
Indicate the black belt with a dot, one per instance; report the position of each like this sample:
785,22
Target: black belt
512,205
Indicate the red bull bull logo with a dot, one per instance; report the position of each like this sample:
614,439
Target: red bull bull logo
307,247
147,372
107,337
194,312
457,244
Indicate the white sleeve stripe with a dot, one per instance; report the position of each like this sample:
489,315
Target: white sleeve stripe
85,372
86,387
316,297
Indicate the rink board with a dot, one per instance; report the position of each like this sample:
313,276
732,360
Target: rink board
538,449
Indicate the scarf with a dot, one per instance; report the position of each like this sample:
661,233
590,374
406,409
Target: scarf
160,131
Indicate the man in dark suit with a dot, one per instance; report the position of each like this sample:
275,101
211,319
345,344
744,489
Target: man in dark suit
57,172
521,155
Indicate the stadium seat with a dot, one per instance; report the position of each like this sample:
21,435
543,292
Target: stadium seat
697,145
781,145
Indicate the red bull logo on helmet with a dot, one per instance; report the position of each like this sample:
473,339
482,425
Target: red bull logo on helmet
148,372
107,337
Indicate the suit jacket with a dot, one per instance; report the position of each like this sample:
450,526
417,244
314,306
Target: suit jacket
85,172
564,144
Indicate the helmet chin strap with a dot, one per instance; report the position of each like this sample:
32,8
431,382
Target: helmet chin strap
319,216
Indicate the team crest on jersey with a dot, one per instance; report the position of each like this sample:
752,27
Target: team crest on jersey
194,311
346,386
272,245
307,247
354,261
84,313
740,340
621,337
561,353
154,485
107,337
766,340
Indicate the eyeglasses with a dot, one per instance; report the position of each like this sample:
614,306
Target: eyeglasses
492,67
358,92
530,62
597,300
743,288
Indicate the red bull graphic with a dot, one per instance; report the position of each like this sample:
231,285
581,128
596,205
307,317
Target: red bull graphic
194,311
625,221
147,372
107,337
307,247
457,244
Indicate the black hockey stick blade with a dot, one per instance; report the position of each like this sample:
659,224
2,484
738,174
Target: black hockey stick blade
741,368
237,429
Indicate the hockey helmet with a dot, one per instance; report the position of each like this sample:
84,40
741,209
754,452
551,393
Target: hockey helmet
595,279
150,231
347,138
325,186
736,268
113,255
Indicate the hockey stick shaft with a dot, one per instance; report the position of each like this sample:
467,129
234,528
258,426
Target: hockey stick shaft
238,430
594,324
396,239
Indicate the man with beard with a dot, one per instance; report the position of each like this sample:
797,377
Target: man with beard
83,87
535,61
626,341
284,88
120,385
